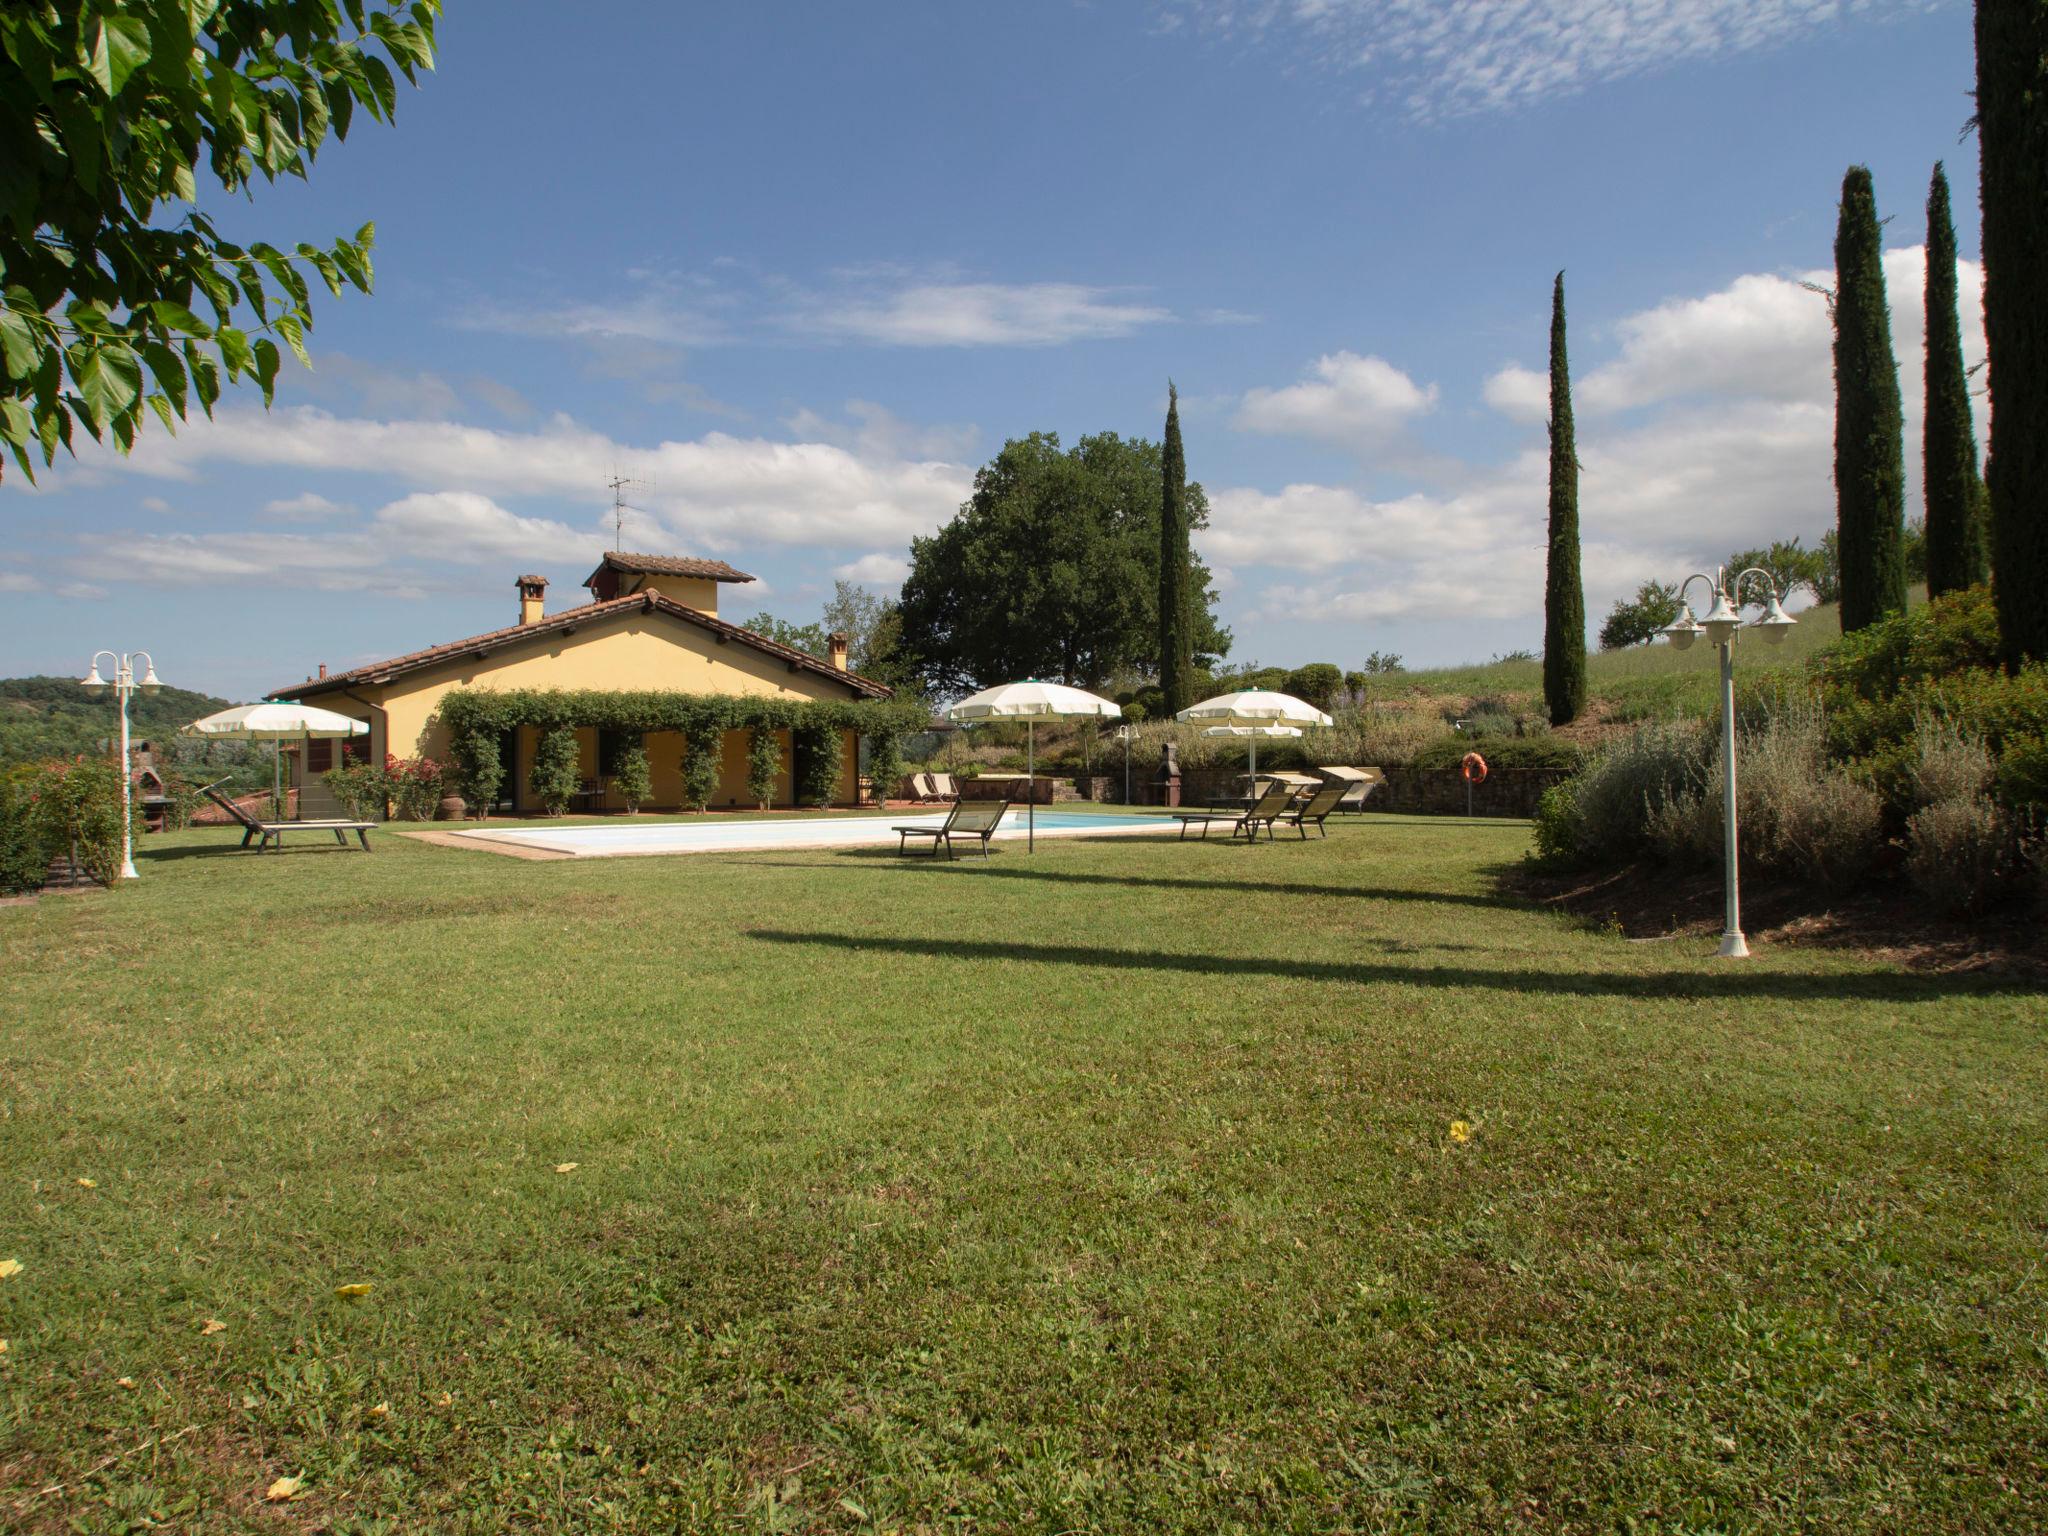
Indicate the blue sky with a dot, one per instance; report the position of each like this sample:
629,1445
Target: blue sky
801,268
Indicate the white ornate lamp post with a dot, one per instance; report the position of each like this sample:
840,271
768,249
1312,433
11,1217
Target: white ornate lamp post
1723,619
124,684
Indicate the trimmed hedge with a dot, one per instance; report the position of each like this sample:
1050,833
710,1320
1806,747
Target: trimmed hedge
476,717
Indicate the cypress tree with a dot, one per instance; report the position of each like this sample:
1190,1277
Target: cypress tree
1956,553
1564,595
2012,139
1870,471
1176,642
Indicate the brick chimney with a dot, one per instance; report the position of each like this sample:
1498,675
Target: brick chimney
838,644
323,669
532,592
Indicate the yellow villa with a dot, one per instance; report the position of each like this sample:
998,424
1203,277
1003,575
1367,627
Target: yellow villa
652,623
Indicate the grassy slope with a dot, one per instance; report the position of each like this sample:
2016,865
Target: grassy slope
1632,684
1107,1189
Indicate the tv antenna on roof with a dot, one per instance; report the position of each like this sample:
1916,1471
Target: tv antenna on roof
620,507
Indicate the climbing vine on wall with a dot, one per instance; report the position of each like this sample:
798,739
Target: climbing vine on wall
475,718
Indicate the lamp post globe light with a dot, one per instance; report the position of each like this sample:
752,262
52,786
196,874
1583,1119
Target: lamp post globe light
124,684
1723,620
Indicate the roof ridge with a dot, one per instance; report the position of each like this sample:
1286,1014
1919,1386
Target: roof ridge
648,599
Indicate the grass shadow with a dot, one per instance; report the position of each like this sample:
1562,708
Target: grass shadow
1732,982
972,863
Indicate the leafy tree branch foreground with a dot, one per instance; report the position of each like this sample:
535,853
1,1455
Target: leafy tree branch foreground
120,295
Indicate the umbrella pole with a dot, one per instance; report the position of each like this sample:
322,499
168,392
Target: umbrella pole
1030,789
1255,768
276,779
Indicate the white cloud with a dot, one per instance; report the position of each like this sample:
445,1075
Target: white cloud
1434,59
19,581
875,570
980,314
875,432
466,526
714,494
309,507
1767,337
155,504
1520,394
1347,399
328,563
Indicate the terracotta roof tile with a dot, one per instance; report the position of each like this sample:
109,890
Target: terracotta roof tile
571,618
668,565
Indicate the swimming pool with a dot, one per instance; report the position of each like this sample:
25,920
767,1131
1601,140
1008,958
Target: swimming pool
795,832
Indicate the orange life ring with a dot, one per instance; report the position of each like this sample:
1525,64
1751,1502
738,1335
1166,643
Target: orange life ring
1474,768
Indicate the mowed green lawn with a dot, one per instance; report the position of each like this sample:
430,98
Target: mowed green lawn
1108,1189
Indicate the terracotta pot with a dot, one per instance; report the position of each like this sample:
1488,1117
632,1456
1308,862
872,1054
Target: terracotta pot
453,808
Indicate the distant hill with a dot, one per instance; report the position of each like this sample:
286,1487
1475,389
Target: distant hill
56,717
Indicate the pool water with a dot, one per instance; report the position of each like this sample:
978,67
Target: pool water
796,832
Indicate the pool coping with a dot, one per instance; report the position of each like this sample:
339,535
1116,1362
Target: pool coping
501,842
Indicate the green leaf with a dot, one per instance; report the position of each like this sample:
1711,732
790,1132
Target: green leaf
179,318
220,293
341,106
49,429
267,361
383,90
93,55
108,377
289,328
18,344
16,425
205,377
21,457
169,371
324,265
280,267
234,349
127,44
162,407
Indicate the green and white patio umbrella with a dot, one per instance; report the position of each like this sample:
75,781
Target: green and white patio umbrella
1032,701
1254,712
274,723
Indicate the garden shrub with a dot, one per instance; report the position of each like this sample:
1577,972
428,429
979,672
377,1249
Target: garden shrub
1799,816
1318,683
1951,761
1961,844
2023,775
363,789
823,750
415,786
1960,851
477,770
1602,814
885,762
1937,660
1540,751
25,849
701,749
632,779
764,765
557,770
78,804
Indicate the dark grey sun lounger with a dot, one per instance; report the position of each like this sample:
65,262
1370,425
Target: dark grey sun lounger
272,832
1268,808
968,818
